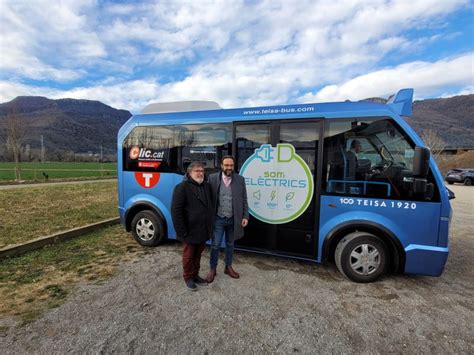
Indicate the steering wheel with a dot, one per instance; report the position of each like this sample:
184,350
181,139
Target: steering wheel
384,165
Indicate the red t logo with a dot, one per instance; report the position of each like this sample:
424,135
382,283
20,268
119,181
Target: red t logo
147,180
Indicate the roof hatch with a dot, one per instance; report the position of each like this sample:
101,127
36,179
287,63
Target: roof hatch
181,106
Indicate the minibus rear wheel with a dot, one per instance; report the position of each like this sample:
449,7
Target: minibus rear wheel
361,257
147,228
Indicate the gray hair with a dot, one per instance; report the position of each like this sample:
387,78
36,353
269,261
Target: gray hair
195,164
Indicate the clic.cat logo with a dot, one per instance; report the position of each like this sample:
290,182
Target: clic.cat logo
134,152
145,154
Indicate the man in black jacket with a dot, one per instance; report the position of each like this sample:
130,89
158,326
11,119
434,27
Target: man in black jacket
192,214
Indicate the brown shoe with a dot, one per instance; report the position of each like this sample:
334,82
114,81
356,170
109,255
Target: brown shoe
231,272
211,275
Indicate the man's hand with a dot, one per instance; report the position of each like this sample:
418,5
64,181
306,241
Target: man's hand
245,222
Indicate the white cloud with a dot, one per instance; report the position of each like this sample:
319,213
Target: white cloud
133,95
234,52
169,32
427,78
9,90
238,89
47,40
32,68
468,90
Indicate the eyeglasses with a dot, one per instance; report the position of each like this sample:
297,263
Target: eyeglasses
198,171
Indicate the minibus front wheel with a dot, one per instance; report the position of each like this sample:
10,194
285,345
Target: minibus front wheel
361,257
147,228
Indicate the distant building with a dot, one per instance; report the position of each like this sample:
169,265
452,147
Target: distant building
456,150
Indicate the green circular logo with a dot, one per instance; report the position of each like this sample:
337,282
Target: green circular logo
279,183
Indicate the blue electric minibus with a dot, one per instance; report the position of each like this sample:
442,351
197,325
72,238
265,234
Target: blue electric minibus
349,182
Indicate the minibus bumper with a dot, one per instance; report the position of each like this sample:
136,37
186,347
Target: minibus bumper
425,260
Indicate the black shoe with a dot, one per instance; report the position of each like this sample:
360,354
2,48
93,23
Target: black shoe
190,285
200,281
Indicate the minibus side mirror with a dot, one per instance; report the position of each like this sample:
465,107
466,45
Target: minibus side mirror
421,162
421,166
451,194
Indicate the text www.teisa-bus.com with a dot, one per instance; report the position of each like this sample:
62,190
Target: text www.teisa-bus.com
280,110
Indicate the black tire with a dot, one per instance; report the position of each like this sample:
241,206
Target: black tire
450,182
369,248
147,229
467,182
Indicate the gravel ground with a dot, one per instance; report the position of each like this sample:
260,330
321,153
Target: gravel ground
278,305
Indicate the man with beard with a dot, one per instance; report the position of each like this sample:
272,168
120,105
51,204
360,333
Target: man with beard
192,213
231,214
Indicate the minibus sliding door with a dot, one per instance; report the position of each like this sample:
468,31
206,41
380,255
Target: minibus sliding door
297,236
248,137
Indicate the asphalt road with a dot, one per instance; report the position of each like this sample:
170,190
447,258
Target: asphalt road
278,306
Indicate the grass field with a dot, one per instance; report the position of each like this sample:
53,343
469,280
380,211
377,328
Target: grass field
32,283
39,280
29,213
57,170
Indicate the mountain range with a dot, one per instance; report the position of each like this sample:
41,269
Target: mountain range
72,128
452,119
68,126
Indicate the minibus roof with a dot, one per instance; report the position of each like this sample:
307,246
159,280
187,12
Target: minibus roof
399,104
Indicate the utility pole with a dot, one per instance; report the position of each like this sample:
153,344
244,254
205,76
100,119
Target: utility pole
42,149
101,155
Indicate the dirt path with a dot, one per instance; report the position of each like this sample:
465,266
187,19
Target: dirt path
22,186
278,305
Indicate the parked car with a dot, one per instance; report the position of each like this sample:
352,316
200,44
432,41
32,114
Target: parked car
465,176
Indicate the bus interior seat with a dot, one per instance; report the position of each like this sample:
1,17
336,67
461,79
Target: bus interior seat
336,164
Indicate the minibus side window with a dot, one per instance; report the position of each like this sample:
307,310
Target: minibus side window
369,158
205,143
304,137
173,148
150,149
248,137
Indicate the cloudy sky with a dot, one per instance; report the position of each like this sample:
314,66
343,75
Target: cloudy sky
238,53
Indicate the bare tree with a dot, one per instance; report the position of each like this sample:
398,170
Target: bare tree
185,138
15,134
146,137
434,142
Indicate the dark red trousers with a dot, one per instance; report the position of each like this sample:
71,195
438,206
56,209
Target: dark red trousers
192,259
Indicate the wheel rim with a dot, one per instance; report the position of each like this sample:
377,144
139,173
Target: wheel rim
365,259
145,229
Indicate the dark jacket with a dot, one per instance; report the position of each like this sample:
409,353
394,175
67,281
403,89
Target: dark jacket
191,210
240,206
